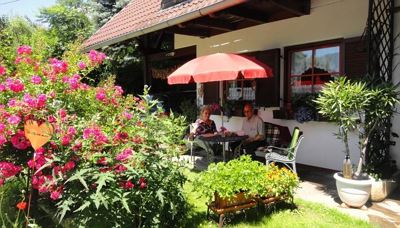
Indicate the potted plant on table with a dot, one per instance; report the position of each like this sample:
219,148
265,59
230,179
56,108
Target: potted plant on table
355,107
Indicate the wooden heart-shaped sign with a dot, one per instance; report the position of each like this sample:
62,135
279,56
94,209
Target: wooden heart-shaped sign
37,134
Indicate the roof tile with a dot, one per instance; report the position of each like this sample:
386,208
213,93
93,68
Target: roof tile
142,14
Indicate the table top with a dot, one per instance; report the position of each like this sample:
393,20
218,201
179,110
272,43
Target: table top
220,138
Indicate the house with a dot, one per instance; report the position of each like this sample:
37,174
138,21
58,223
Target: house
306,42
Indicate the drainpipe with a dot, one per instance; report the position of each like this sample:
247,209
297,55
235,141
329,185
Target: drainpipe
174,21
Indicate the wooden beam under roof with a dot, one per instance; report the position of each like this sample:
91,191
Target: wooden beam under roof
186,30
215,23
242,13
296,7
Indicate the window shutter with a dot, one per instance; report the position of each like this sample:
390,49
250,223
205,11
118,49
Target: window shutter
268,89
211,93
355,58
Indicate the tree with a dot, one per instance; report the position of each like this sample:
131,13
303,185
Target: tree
103,10
68,21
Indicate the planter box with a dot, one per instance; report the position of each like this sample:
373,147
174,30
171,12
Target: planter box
238,199
382,188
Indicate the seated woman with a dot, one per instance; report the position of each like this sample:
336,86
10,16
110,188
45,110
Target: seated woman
205,127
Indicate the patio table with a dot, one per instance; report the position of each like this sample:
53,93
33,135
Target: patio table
224,139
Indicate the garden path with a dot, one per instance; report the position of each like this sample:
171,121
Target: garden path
318,185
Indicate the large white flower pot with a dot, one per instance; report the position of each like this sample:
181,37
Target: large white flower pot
354,193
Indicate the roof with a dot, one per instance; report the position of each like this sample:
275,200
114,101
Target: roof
144,16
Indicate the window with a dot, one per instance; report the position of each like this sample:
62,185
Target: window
241,90
168,3
311,67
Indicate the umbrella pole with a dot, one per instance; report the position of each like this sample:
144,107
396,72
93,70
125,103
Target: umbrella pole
221,101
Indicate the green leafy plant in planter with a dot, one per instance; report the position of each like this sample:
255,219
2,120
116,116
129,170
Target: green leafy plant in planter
244,175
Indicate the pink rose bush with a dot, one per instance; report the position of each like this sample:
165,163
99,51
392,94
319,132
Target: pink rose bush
108,160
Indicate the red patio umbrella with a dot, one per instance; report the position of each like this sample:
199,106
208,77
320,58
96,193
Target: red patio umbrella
219,67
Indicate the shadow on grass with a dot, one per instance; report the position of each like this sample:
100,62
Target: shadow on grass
252,216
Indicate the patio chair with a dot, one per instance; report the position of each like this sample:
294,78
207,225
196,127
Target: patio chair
286,156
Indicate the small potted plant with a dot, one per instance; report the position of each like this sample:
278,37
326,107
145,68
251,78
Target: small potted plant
355,107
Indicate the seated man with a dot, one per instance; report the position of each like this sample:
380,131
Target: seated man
253,126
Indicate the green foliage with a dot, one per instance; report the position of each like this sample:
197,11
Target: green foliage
354,106
18,31
68,21
343,101
248,176
189,110
10,216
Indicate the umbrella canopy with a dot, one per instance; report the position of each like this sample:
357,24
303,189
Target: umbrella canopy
219,67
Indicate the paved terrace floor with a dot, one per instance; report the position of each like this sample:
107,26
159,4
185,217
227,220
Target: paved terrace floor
318,185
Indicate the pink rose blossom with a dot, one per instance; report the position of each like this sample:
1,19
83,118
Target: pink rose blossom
2,70
124,155
51,119
12,102
127,115
101,95
36,79
16,85
77,146
128,185
119,168
3,87
25,49
8,169
71,130
73,83
41,100
96,57
65,140
55,195
2,127
3,139
87,133
65,79
14,120
81,65
19,141
62,113
119,90
1,182
58,66
68,166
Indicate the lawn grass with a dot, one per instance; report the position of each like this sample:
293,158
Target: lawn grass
301,214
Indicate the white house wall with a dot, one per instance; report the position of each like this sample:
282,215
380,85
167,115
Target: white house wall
395,152
329,19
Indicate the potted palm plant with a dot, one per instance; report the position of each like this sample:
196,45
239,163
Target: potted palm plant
355,107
